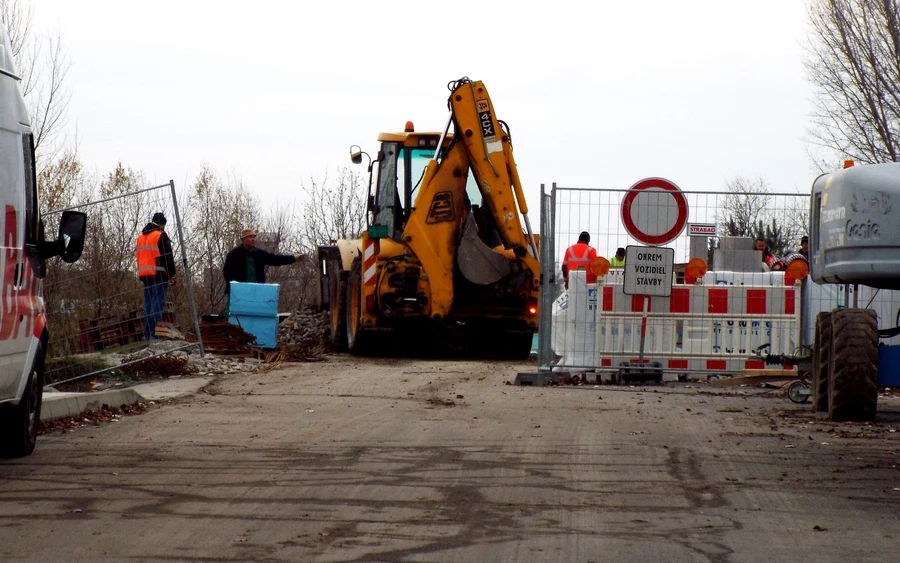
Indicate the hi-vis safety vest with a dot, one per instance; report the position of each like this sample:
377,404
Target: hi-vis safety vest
580,258
147,252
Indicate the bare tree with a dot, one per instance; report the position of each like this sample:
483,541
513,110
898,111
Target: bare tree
796,218
215,214
744,206
749,211
334,212
42,63
282,222
853,60
206,217
112,232
64,182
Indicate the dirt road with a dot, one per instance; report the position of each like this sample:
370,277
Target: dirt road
412,460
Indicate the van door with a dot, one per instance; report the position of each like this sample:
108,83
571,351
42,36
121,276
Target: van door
19,303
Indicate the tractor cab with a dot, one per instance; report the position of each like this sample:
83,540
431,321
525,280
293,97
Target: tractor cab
397,173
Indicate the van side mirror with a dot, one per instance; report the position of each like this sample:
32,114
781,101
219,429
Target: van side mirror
70,242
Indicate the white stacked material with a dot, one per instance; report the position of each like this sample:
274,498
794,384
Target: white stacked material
574,322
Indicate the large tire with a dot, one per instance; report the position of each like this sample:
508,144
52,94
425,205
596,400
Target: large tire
19,424
516,346
500,344
359,341
337,288
821,363
853,382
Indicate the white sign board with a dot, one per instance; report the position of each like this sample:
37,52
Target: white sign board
649,270
701,229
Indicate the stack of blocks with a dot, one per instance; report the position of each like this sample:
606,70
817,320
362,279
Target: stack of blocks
737,254
254,308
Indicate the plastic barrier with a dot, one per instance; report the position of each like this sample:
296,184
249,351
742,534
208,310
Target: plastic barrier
711,327
574,322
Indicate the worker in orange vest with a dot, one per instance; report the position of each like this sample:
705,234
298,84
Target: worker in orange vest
578,257
156,270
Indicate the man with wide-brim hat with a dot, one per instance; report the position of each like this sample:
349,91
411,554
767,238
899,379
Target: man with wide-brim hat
247,264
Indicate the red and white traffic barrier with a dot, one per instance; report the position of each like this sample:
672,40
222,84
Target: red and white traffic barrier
699,328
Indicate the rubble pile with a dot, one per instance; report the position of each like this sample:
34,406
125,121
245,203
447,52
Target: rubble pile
305,335
144,363
224,338
162,358
211,364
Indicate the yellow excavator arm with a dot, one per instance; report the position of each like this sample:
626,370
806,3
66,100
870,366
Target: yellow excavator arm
441,230
491,159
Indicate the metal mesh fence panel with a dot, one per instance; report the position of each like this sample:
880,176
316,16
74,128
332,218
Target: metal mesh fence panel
96,305
724,321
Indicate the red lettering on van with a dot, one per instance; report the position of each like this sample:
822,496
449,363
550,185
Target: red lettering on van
18,302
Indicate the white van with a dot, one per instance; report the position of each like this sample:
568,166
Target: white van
23,251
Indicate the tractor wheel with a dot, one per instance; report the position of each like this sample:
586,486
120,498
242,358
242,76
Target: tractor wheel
853,382
500,345
337,289
517,346
359,341
821,360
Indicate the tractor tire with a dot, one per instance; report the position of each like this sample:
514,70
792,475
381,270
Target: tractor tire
821,363
19,424
853,382
337,290
516,346
500,345
359,341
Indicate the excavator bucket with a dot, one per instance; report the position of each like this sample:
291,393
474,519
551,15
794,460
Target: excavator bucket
477,262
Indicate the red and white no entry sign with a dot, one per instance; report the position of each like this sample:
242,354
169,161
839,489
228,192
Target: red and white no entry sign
654,211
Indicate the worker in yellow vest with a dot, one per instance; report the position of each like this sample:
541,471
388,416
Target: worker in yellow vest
156,270
618,261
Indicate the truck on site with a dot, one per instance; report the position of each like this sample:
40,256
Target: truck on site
854,240
23,331
445,256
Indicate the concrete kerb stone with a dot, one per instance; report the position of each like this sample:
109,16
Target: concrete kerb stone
172,388
62,405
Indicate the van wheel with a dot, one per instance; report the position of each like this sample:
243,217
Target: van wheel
19,424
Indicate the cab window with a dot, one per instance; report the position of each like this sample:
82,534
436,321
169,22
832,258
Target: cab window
418,160
32,216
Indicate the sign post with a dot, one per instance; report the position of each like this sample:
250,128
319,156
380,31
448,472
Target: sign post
654,211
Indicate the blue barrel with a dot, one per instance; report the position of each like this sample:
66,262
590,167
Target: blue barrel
889,366
254,308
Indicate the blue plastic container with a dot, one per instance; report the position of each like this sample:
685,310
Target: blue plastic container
889,366
254,308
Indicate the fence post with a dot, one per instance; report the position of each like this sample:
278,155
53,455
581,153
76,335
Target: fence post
187,269
548,282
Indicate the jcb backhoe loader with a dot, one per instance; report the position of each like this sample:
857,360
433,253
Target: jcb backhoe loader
445,258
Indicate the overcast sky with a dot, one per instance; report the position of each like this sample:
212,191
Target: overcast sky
597,94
